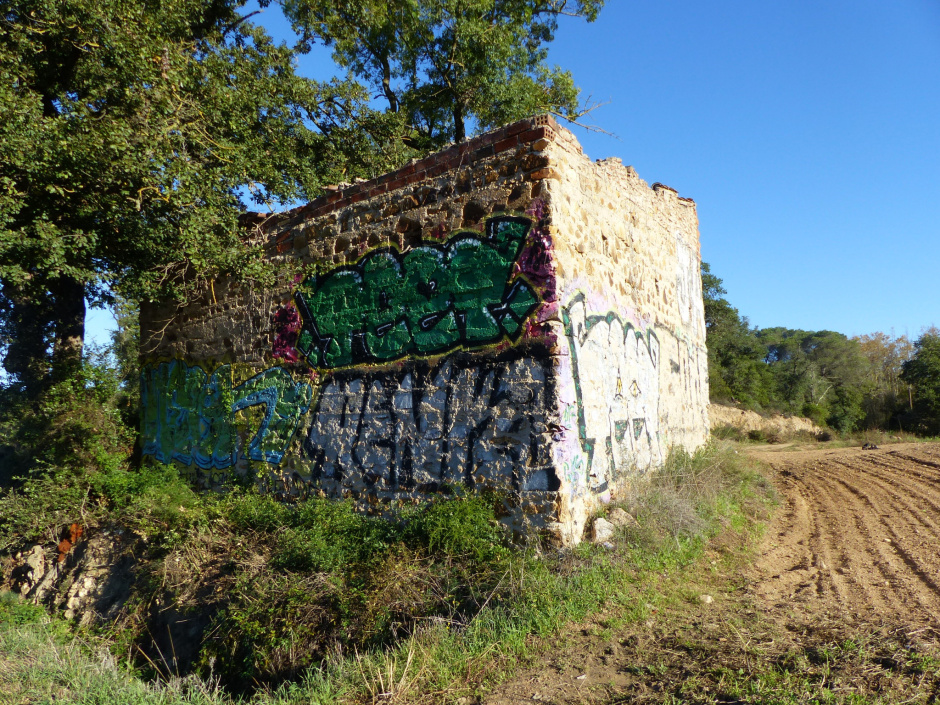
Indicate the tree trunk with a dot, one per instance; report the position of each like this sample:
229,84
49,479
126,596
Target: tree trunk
69,341
27,358
387,86
460,131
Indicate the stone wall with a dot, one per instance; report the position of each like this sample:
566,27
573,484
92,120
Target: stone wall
633,379
504,314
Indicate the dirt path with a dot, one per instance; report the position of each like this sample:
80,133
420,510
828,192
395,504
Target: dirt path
842,601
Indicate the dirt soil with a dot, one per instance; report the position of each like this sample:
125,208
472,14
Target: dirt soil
858,534
840,602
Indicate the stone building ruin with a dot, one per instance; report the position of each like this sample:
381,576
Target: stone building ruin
504,314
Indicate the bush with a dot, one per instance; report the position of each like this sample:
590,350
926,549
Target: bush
757,434
728,433
307,579
686,499
464,525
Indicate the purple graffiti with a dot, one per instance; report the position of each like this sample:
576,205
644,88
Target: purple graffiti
536,261
286,328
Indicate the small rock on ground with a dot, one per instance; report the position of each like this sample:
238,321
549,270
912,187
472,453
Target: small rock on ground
603,530
618,517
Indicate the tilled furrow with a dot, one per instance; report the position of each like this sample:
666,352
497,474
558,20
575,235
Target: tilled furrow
797,527
900,569
786,556
915,473
910,530
844,546
922,458
911,501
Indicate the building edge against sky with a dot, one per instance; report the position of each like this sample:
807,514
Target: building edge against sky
505,314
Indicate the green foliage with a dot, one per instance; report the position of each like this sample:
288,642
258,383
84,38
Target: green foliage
822,371
736,369
922,372
273,626
336,577
126,135
325,535
125,347
69,460
886,394
463,526
74,424
442,64
14,610
129,136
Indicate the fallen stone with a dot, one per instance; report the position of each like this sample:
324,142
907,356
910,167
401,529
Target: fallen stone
618,517
36,561
706,599
603,530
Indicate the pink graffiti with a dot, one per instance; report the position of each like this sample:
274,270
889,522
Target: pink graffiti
536,261
536,209
286,330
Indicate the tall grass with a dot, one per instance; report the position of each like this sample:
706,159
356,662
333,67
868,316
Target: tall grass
41,662
350,608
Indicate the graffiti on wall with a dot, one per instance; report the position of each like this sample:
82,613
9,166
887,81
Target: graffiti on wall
615,368
688,288
190,416
430,300
462,421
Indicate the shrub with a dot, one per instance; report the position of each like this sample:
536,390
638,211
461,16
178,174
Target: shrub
464,525
728,433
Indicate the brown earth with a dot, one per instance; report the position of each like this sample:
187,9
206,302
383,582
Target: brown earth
858,534
746,420
839,603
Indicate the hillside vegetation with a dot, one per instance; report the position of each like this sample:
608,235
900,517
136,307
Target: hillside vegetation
873,381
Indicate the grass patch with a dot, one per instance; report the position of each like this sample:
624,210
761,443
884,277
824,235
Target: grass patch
316,602
42,662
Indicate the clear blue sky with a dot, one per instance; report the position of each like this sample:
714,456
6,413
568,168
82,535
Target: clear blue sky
808,133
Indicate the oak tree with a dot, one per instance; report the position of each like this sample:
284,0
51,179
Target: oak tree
445,66
130,134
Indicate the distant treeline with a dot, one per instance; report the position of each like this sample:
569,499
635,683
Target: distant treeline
878,380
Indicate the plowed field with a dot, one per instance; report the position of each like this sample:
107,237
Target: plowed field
840,605
858,535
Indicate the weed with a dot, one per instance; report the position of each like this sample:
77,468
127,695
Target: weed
728,433
338,602
14,610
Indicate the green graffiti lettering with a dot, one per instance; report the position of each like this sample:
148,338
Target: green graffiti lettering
430,300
